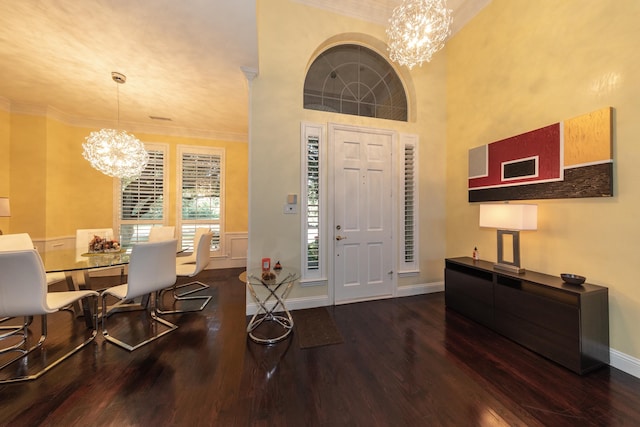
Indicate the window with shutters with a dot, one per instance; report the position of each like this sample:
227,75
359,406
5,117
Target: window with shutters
200,200
142,201
409,260
313,203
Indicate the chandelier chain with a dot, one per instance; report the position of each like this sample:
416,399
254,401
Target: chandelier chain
114,152
118,99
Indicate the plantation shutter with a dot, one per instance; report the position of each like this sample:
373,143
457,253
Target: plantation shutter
409,260
142,201
313,204
201,196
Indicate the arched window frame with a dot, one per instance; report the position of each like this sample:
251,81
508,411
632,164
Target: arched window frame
349,78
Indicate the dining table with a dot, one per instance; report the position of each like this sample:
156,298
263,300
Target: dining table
77,265
68,260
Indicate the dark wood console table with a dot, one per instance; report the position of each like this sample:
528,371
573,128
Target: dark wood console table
565,323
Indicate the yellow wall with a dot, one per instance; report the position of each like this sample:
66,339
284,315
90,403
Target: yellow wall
518,66
291,35
77,195
28,172
5,156
54,190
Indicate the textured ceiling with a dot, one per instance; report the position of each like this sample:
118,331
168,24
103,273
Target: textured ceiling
182,59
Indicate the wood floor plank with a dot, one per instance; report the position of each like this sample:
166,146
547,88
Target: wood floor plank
404,362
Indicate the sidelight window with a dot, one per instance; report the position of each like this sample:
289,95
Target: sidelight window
313,203
409,260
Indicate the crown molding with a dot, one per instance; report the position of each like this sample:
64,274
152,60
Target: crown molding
28,109
53,113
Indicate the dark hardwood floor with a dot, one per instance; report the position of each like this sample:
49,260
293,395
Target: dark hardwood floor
403,362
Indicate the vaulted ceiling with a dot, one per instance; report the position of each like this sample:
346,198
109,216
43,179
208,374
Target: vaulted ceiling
182,59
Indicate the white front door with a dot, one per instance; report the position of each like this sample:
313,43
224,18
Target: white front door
363,202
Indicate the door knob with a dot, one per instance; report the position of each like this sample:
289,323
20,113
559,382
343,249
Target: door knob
341,237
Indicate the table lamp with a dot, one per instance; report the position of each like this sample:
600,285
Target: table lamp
509,219
4,208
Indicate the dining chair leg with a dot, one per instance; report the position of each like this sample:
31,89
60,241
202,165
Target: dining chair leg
50,365
200,286
14,331
180,297
153,317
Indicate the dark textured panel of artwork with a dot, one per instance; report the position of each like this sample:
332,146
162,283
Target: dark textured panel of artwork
520,169
586,181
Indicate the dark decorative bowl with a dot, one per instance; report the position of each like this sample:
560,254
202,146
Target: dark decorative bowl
573,279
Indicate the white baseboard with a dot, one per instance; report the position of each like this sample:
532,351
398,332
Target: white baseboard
419,289
624,362
225,262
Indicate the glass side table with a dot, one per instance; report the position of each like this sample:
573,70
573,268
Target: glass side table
271,306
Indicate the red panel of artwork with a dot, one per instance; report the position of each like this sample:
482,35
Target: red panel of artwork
543,145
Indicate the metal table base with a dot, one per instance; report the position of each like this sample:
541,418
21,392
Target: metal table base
271,308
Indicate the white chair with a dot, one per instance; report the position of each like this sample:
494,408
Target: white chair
23,293
203,255
19,242
15,242
83,237
22,241
162,233
152,267
191,259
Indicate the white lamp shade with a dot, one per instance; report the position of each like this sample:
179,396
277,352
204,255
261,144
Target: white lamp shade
507,216
4,207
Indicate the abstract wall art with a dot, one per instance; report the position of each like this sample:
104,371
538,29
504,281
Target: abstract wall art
569,159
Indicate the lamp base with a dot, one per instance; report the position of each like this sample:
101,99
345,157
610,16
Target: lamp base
510,268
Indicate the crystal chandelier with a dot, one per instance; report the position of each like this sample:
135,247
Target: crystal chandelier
114,152
417,30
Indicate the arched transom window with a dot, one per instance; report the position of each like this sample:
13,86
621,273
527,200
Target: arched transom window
352,79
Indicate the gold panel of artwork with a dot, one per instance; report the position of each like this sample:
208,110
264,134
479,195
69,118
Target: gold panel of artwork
588,138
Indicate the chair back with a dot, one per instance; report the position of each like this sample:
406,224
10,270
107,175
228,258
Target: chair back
84,236
15,242
159,234
203,252
196,238
152,267
23,284
20,242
